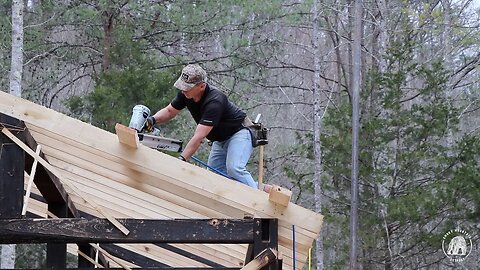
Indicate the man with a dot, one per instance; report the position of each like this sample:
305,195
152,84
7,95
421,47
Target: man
217,119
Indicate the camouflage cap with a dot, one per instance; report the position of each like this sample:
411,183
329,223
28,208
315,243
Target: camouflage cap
191,75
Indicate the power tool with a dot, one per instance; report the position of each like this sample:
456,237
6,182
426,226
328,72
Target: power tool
140,113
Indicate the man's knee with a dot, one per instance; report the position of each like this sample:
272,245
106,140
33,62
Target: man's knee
235,170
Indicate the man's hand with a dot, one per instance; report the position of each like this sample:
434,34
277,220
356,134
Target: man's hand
149,124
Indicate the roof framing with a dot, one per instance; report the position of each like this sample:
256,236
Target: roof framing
144,184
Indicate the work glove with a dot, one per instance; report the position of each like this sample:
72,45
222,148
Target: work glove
149,124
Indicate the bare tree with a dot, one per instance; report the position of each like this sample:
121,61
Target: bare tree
8,251
317,128
17,48
356,83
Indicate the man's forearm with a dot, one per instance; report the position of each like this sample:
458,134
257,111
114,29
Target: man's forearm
162,116
191,148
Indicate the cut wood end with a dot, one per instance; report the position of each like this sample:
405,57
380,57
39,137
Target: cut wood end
280,195
127,136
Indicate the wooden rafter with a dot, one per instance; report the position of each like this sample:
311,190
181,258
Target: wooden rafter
122,228
145,183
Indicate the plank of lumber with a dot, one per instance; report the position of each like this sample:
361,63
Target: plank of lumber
47,183
111,257
233,257
263,259
97,265
161,171
142,161
115,170
280,195
97,230
71,185
209,197
123,193
30,182
260,167
127,136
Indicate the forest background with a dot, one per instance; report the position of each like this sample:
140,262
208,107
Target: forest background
291,61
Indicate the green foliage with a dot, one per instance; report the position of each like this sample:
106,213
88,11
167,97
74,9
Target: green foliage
117,92
33,256
411,175
30,256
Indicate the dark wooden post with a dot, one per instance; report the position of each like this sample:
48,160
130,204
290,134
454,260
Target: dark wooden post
90,252
265,236
12,167
57,252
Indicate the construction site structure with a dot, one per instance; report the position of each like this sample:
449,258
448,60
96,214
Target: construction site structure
78,189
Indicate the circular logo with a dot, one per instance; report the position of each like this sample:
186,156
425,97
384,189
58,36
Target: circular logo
457,245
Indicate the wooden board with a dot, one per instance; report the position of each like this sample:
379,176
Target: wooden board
127,136
125,172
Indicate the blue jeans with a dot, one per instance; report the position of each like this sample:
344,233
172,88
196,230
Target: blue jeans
231,157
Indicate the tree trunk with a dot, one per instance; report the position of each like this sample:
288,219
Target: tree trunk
17,49
356,83
108,17
8,251
317,127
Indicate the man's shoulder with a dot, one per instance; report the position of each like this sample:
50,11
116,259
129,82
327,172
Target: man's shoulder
213,94
179,101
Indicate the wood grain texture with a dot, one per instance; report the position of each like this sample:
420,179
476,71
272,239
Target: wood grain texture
97,230
143,182
127,136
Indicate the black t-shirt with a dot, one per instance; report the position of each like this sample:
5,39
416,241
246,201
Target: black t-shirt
214,109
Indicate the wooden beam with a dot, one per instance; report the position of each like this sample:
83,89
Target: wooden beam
266,237
152,268
46,182
30,183
12,167
88,259
68,182
74,230
89,252
130,256
280,195
127,136
265,258
260,167
155,172
105,253
57,252
190,254
56,256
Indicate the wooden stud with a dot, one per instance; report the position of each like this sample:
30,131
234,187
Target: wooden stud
266,257
90,260
145,170
68,182
127,136
280,195
30,182
96,230
12,167
260,167
50,187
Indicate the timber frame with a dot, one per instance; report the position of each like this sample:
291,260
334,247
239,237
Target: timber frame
70,225
86,172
